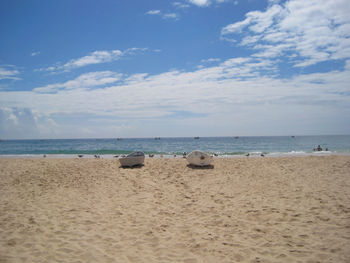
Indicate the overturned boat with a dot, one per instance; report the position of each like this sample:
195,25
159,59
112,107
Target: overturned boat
199,158
133,159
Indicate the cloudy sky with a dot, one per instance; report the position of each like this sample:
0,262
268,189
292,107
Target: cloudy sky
136,68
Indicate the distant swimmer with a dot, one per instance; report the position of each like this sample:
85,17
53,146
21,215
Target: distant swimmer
262,155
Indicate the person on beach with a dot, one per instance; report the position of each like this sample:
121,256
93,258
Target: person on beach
319,148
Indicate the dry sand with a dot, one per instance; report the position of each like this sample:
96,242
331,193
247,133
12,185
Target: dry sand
243,210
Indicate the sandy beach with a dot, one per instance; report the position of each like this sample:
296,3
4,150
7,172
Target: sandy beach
294,209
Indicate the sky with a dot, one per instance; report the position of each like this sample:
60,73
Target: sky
136,68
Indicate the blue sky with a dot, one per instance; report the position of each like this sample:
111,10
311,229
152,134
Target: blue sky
87,69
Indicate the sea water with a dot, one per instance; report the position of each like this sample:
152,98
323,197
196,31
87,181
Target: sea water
221,146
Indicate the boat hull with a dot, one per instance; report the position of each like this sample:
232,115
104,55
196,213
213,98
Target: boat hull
198,158
134,159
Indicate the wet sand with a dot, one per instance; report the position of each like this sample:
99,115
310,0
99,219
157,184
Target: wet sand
294,209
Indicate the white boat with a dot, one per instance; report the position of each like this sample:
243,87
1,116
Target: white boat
199,158
133,159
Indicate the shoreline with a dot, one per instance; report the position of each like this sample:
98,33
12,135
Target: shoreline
168,147
173,156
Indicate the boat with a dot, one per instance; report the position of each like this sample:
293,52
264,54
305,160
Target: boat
198,158
133,159
196,137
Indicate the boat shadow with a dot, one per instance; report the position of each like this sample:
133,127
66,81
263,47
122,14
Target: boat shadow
132,167
206,167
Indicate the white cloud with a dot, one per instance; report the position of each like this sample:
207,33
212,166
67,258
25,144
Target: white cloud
136,78
236,27
205,3
19,122
84,81
200,2
96,57
307,31
347,65
8,72
153,12
234,85
180,5
210,60
173,16
170,16
258,21
33,54
263,21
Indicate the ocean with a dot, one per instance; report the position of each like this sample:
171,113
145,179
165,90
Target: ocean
221,146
